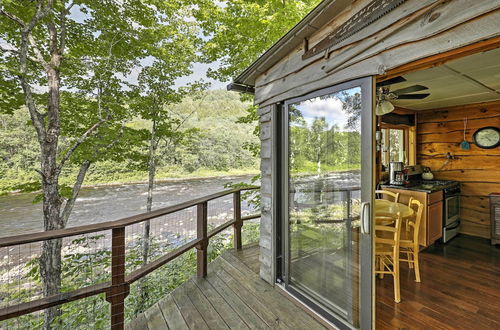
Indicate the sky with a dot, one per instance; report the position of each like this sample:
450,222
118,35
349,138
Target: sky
200,72
329,107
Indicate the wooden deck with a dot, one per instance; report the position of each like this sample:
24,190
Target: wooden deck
231,297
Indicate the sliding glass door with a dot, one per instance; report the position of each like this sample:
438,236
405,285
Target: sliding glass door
328,166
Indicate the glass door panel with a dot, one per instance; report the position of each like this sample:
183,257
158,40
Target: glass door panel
325,176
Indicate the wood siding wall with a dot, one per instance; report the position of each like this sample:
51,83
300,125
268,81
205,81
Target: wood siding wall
440,131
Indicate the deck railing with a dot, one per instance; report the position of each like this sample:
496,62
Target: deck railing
117,289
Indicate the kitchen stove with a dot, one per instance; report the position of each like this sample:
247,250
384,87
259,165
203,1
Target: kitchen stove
439,182
451,209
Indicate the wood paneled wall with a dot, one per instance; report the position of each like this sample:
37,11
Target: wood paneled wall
440,131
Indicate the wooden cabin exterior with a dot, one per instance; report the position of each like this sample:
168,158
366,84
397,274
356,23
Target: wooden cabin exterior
319,89
344,43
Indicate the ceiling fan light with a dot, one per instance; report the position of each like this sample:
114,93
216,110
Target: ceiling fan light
383,107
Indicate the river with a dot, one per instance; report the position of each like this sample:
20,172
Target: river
104,203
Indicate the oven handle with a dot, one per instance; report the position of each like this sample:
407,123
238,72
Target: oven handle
454,227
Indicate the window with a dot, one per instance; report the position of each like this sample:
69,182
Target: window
394,145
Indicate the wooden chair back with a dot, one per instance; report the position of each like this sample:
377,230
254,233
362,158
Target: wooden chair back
389,193
387,242
418,207
390,235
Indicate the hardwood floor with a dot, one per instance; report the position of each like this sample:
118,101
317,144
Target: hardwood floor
460,289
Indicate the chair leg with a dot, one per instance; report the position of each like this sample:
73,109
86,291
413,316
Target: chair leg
381,267
417,269
397,289
409,256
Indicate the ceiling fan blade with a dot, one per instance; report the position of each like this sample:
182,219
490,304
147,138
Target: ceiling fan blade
391,81
412,96
411,89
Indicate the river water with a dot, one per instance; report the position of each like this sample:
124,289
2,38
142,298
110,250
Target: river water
18,215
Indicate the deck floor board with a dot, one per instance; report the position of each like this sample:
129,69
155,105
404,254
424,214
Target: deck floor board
232,296
286,310
228,314
171,314
259,307
204,307
189,312
154,318
140,322
253,320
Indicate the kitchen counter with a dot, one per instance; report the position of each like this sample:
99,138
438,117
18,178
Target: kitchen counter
428,187
420,187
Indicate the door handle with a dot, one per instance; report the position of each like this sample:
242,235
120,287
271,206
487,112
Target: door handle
365,218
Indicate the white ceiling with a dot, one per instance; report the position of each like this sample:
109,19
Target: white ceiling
471,79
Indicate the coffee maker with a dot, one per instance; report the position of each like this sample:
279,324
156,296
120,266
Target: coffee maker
396,173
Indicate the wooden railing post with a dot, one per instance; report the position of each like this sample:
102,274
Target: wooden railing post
202,232
237,218
119,289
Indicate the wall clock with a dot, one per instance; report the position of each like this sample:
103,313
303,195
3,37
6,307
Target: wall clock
487,137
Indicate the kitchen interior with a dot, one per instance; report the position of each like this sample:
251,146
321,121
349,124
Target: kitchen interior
438,143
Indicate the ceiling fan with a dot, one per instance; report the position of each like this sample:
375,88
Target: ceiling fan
385,96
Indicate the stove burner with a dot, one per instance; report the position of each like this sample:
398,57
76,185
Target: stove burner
439,182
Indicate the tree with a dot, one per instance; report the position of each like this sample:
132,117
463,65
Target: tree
69,63
155,92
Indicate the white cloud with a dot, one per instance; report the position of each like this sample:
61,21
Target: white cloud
329,108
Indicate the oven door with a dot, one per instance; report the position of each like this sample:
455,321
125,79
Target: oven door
451,209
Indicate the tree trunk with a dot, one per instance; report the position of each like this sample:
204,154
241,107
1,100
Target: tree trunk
153,144
48,130
50,270
50,260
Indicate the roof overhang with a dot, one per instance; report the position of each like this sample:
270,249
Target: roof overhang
317,18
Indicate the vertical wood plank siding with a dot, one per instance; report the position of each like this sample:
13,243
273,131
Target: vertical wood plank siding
267,235
441,131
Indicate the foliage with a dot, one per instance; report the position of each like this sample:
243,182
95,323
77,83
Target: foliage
251,117
239,31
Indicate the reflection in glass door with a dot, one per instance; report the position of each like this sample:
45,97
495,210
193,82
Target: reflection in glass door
325,172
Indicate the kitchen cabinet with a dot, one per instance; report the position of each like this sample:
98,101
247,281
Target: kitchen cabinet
431,228
434,223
